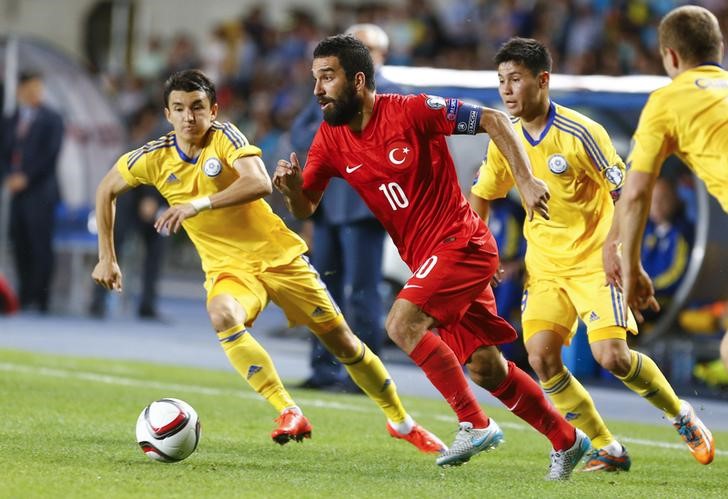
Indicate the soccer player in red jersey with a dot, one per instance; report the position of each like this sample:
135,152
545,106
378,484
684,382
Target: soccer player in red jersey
392,150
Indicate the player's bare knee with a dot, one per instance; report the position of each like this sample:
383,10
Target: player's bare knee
614,360
406,324
397,329
487,368
395,325
340,341
545,366
224,313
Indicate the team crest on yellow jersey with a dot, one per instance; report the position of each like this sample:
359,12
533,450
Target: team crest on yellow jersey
557,164
614,175
212,167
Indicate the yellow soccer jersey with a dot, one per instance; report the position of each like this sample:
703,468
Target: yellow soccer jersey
247,237
576,159
688,118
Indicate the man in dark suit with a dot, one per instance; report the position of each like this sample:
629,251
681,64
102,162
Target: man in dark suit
347,239
31,145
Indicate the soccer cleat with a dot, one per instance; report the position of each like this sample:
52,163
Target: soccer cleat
470,441
602,460
292,425
424,440
563,462
695,434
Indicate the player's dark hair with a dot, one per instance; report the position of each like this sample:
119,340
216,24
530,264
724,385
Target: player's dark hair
29,75
353,56
189,80
693,32
531,53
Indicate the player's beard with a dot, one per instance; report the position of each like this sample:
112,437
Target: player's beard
343,109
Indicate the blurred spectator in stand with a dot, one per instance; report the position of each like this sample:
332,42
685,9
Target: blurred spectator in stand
666,243
150,62
136,211
32,139
130,95
347,238
183,54
505,221
218,54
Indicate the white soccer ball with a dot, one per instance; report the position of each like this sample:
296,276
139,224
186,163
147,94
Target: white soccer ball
168,430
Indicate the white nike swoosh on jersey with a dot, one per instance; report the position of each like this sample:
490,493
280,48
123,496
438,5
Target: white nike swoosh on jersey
411,286
352,169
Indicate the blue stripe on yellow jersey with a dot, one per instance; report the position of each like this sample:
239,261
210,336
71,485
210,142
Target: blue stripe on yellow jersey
577,160
164,141
231,132
243,238
582,133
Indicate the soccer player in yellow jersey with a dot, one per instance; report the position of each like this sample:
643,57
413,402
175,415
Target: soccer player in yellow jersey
566,276
688,118
214,182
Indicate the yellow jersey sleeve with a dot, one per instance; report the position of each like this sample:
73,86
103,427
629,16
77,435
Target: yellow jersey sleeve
122,165
231,144
136,166
612,175
494,177
652,141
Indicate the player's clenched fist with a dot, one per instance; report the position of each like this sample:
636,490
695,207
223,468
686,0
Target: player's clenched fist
536,196
288,175
107,274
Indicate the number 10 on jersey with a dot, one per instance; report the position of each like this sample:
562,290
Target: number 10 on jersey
395,195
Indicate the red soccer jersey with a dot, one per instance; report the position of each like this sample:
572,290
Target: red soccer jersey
401,167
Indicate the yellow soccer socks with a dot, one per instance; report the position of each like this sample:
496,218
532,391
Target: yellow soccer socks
369,373
645,379
574,402
254,364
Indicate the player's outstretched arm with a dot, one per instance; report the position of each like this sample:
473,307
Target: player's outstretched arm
288,179
534,192
634,202
107,272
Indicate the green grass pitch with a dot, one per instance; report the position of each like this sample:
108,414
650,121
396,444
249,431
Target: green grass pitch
67,430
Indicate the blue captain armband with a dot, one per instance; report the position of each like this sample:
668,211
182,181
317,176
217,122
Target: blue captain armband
467,117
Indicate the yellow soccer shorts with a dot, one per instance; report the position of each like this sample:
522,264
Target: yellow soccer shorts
296,288
556,304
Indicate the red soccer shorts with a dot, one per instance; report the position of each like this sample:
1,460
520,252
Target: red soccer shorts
453,287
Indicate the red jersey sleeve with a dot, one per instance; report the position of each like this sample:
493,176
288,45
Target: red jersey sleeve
437,115
317,172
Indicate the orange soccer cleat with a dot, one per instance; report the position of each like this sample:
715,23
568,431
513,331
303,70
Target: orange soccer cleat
602,460
292,425
421,438
695,434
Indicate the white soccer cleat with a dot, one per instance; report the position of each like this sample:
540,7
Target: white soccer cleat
564,462
470,441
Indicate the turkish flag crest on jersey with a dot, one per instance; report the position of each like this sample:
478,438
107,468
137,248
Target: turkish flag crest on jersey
400,154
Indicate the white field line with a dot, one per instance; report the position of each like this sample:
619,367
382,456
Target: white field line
122,381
